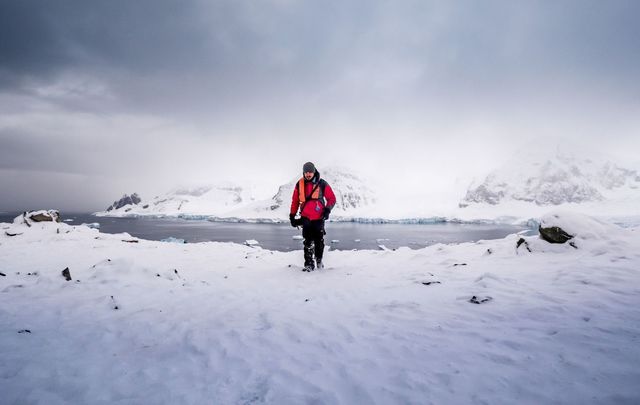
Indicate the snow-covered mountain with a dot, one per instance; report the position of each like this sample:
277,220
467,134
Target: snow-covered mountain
230,200
132,199
552,176
203,200
352,195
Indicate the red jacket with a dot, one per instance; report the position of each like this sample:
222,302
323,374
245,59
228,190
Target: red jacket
313,209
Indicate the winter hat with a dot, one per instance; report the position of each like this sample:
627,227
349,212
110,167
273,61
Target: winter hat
308,168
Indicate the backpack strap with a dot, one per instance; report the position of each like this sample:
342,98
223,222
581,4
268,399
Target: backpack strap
306,198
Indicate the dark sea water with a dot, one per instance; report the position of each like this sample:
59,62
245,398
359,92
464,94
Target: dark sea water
340,235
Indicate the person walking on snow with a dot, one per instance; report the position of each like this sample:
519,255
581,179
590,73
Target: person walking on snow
314,198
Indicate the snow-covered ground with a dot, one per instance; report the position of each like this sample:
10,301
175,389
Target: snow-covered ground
155,322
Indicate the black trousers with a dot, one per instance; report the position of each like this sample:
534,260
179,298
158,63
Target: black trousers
313,234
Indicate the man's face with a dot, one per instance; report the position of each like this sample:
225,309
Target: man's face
308,175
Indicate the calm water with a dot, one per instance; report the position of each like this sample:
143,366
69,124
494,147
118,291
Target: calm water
345,236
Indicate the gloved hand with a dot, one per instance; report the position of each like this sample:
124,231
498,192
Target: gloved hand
292,219
326,214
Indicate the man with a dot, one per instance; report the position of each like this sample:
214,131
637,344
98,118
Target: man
315,199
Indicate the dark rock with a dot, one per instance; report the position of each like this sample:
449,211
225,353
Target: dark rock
430,282
11,234
554,234
132,199
2,274
24,331
130,241
115,304
49,216
480,300
521,241
66,274
459,264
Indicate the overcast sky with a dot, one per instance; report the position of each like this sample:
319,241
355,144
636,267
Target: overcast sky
99,98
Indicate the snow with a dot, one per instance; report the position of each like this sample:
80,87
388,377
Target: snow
580,226
154,322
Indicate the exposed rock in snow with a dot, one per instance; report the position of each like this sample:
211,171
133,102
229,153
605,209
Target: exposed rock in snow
554,234
28,217
551,176
126,200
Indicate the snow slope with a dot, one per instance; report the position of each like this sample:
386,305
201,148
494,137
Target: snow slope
154,322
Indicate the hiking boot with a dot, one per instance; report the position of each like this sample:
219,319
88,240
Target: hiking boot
308,267
319,264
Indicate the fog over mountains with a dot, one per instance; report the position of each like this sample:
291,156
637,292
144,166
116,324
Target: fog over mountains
551,176
540,175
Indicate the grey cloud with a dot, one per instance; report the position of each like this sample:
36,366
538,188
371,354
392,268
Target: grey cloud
259,47
242,77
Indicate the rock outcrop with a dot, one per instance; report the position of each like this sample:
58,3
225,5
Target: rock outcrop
43,216
132,199
28,217
554,234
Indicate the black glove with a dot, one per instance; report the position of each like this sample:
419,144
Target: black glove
292,219
327,212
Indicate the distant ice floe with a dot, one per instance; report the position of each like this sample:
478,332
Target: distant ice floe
251,242
171,239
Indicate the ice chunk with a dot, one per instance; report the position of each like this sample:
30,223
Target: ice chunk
171,239
251,242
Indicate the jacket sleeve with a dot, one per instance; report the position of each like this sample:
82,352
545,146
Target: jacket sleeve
330,197
294,201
